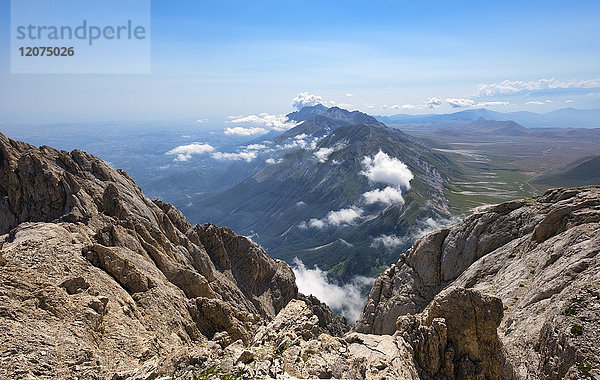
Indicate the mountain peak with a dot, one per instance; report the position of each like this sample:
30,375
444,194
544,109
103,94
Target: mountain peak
306,113
325,122
351,117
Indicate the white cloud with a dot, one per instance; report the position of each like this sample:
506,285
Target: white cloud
300,141
185,152
200,121
346,299
537,102
323,153
514,86
247,156
241,131
426,226
256,146
432,103
460,102
492,104
266,120
272,161
304,99
389,170
344,216
388,241
399,107
316,223
349,95
388,196
419,229
569,101
341,217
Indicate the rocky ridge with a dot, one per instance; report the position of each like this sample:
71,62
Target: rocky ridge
539,256
98,281
97,278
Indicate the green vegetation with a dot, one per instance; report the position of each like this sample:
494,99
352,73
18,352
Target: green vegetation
213,373
570,311
584,370
578,173
577,330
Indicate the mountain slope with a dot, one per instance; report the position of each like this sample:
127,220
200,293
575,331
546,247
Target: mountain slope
539,256
289,207
585,171
100,282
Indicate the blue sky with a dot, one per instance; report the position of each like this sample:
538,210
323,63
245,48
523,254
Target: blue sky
215,59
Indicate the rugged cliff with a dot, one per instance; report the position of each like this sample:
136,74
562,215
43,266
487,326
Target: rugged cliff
539,256
99,282
97,278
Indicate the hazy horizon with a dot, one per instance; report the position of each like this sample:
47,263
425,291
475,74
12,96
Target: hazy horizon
211,61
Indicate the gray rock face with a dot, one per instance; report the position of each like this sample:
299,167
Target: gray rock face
87,261
443,342
539,256
98,281
456,336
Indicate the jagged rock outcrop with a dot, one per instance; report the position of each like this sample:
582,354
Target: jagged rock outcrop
97,279
443,342
456,336
539,256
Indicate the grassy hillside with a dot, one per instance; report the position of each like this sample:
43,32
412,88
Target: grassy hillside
585,171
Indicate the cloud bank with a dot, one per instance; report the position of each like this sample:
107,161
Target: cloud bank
514,86
247,156
241,131
266,120
387,196
389,170
304,99
433,103
460,102
345,216
185,152
323,153
343,299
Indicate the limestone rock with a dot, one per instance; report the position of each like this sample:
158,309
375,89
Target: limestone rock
456,336
98,280
539,256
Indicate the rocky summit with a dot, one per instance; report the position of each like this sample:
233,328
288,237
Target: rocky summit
99,282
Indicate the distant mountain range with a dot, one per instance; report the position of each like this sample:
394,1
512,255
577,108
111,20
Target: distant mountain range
318,202
563,118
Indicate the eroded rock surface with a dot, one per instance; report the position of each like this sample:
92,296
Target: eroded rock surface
99,282
97,279
539,256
